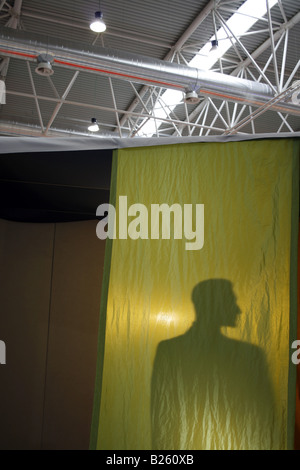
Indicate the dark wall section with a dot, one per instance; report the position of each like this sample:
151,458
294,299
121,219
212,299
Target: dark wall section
25,276
50,289
72,348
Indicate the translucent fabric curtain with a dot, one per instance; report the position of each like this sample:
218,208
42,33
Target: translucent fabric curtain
195,344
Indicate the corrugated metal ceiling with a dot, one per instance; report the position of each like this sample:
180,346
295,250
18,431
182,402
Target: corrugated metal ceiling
145,28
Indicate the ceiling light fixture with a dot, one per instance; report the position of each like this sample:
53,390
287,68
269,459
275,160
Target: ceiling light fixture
94,127
214,45
98,25
296,94
44,65
191,97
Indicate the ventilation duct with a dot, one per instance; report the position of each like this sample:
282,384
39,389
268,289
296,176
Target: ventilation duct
135,68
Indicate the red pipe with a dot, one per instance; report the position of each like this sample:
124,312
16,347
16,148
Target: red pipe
22,54
94,69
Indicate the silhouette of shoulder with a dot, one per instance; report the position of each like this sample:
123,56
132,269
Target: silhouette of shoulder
197,357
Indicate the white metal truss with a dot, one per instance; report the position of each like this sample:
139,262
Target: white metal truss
211,115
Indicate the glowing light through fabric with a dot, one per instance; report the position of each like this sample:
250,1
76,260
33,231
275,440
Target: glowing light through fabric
194,345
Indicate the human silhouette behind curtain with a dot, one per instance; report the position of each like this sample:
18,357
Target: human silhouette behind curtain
209,391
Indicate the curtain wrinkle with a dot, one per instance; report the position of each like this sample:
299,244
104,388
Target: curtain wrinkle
199,358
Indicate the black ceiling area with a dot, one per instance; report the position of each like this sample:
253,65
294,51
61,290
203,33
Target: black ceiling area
54,186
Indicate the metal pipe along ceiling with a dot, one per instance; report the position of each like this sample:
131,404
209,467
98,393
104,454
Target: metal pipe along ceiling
135,68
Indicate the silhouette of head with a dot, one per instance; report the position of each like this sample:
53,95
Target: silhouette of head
215,303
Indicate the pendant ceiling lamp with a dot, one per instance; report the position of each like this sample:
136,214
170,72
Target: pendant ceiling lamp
98,25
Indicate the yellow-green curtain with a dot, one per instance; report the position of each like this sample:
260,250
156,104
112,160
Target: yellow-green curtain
194,345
